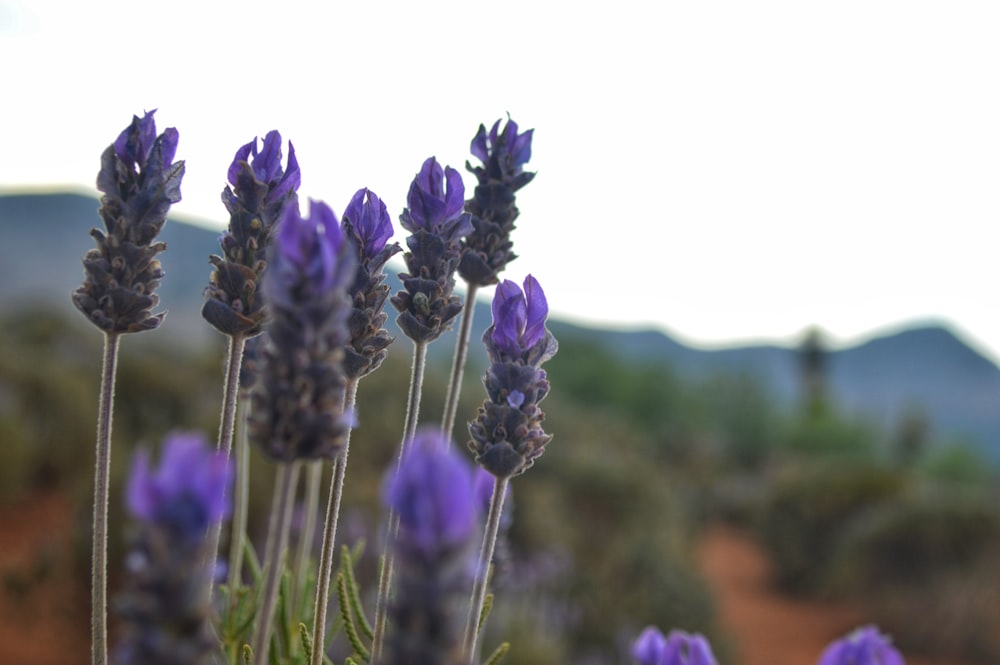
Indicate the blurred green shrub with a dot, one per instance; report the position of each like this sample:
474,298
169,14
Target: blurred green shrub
807,509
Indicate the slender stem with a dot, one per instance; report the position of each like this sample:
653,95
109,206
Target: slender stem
409,428
281,513
485,557
241,502
314,478
102,474
330,536
454,392
413,399
227,425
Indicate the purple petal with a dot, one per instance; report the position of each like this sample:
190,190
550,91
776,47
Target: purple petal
648,647
478,147
509,315
455,198
139,493
242,155
537,311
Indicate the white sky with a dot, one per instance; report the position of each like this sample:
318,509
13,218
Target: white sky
728,171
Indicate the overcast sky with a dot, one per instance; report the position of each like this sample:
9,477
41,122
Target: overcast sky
726,171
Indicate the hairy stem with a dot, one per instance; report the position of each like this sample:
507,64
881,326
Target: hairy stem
482,569
409,428
330,536
102,475
281,514
454,391
227,424
241,500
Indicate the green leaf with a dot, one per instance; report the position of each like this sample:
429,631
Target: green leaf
346,565
498,654
349,628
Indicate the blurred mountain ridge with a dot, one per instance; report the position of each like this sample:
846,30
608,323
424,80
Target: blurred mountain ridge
927,367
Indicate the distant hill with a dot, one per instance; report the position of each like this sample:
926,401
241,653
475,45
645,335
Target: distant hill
44,236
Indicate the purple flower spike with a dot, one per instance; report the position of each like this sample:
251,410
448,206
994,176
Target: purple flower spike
187,492
506,433
297,399
139,181
864,646
432,492
370,220
431,204
486,251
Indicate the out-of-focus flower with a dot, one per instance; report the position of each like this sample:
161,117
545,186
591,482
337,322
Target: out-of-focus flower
486,251
678,648
187,492
299,394
139,181
259,190
506,433
432,493
864,646
436,223
366,221
166,608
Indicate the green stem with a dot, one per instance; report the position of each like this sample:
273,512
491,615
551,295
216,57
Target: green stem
409,428
454,391
482,569
330,536
281,514
102,475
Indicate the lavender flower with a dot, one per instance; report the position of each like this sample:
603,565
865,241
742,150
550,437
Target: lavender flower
436,223
366,221
187,492
166,611
259,190
864,646
503,153
432,493
140,182
506,434
678,648
298,398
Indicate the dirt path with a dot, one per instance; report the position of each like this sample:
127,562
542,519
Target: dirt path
767,627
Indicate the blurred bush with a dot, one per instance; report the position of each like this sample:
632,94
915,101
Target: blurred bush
808,508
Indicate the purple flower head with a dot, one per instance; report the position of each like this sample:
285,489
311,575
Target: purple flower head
187,492
369,218
266,166
432,492
511,149
135,144
678,648
431,203
519,317
864,646
306,252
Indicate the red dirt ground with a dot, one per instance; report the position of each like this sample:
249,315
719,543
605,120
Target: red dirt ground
767,627
44,611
